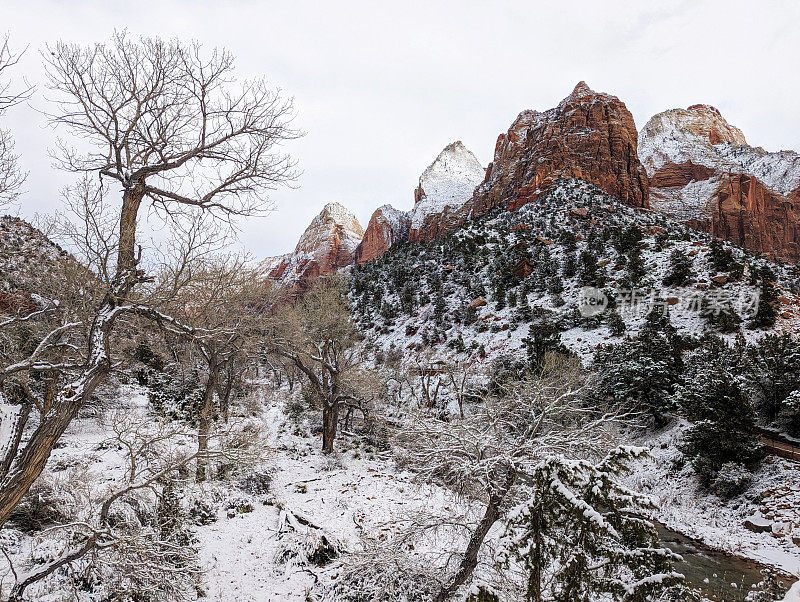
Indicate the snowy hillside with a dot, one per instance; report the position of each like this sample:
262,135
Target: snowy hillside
478,287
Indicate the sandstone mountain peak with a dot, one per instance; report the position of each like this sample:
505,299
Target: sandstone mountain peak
581,89
454,172
328,244
676,135
334,219
589,136
444,188
386,227
701,169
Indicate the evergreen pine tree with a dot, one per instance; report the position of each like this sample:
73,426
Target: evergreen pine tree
765,314
590,274
616,325
643,371
407,299
543,336
577,539
635,270
439,307
772,373
724,430
570,266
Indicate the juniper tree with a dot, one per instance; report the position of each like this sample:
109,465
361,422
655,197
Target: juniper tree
723,319
570,265
680,269
590,274
544,336
723,429
627,239
616,325
721,259
772,373
635,269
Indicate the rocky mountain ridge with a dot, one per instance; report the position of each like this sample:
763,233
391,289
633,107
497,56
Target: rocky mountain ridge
327,244
690,164
445,188
589,135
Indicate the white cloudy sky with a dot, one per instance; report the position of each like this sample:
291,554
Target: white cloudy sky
382,87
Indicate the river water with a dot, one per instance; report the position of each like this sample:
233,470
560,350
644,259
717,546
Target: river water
720,576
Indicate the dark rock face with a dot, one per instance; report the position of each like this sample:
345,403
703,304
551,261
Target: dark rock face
748,213
590,136
680,175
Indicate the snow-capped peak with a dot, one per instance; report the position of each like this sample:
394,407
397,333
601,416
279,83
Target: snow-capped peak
448,182
333,216
702,136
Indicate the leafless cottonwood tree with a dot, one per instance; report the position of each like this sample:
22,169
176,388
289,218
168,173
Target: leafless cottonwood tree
172,130
486,455
318,336
11,176
226,297
460,372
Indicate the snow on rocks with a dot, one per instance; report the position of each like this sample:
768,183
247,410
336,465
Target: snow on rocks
675,144
793,595
445,186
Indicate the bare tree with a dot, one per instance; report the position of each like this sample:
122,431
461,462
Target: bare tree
174,131
486,455
11,176
227,298
318,336
431,373
460,372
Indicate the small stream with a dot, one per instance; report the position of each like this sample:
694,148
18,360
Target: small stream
729,577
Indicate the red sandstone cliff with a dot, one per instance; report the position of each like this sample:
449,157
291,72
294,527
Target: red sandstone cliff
590,136
702,170
386,227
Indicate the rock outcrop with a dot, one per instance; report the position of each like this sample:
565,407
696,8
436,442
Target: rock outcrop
386,227
444,188
328,244
589,135
748,213
702,170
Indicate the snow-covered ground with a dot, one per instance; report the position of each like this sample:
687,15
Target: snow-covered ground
354,492
248,547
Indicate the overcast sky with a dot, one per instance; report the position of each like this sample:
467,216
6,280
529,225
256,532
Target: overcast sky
381,87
